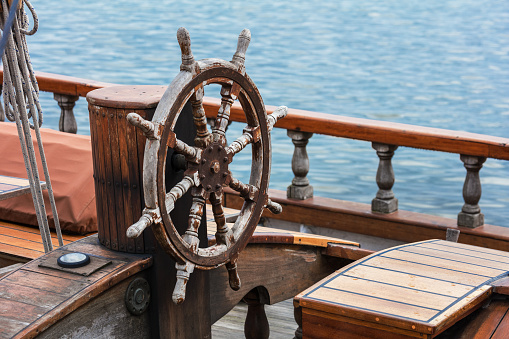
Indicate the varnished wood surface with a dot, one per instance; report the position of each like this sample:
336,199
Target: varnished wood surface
381,131
47,295
25,242
422,287
63,84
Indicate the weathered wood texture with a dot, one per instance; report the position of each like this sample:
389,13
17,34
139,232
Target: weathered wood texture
47,296
117,149
103,317
423,288
282,270
358,218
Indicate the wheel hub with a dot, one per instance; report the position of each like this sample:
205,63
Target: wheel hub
213,169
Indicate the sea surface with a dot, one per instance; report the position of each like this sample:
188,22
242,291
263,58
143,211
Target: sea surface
436,63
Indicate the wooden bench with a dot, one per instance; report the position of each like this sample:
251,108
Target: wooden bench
414,290
11,187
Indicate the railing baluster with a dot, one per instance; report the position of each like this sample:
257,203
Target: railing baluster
256,325
470,215
300,187
67,121
385,202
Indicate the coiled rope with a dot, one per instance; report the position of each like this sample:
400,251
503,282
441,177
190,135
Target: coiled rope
21,102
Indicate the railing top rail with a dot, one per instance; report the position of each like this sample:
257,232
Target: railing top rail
327,124
66,85
392,133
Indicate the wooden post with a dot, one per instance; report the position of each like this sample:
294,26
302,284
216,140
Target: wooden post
300,187
384,202
256,325
297,314
470,215
67,121
118,149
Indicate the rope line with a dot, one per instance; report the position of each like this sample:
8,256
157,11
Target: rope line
21,102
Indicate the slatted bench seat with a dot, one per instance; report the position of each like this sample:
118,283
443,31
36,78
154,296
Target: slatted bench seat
414,290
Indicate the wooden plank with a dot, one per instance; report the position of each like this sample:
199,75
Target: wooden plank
401,225
10,327
346,251
96,160
125,159
387,307
469,251
320,325
135,181
444,263
25,240
481,324
46,283
8,269
500,264
501,286
461,309
430,272
502,329
6,227
101,144
409,280
20,251
109,180
30,295
10,309
383,291
116,182
481,250
103,317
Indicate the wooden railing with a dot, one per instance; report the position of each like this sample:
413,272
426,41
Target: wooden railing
382,218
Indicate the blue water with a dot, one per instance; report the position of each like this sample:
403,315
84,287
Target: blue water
432,63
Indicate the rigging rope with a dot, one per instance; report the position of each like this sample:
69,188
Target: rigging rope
21,102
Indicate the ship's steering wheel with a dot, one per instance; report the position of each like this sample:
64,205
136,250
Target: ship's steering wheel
207,172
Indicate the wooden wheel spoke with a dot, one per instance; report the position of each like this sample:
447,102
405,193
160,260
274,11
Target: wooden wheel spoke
178,191
251,134
195,215
191,153
229,94
223,234
203,136
248,192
